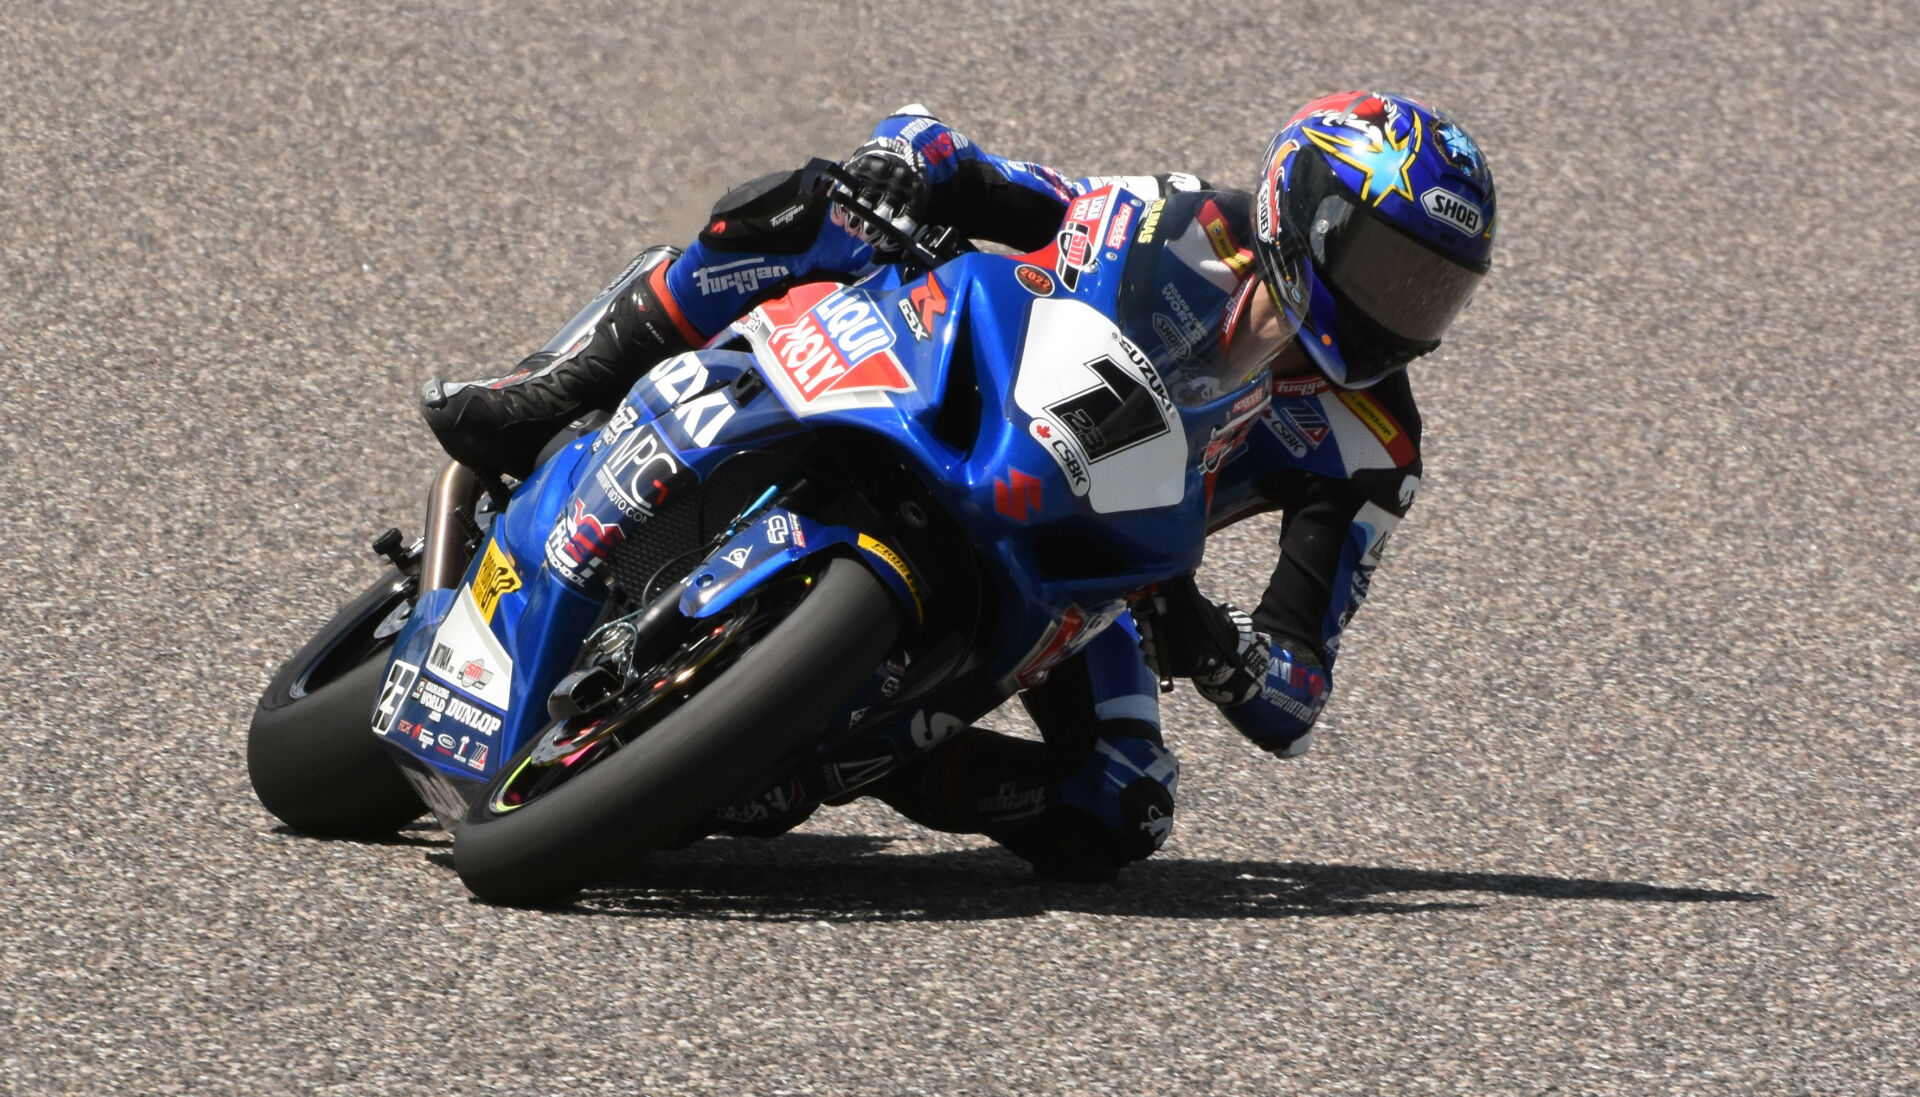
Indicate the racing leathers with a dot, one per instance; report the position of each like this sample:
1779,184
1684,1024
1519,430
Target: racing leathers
1342,466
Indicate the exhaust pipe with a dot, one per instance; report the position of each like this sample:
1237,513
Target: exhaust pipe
445,552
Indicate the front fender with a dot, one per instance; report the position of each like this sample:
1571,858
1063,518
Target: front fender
780,538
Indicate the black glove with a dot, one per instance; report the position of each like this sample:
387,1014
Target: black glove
891,178
1242,676
1182,635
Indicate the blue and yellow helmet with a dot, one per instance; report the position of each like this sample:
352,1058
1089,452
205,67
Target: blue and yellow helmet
1374,224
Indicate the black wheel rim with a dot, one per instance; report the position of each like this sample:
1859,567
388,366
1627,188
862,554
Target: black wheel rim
565,749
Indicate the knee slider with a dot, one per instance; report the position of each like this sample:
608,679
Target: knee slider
1127,787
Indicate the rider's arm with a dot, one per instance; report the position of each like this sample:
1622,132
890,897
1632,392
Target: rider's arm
1332,534
985,197
761,237
766,234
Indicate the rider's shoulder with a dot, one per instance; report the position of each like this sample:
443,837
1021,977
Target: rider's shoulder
1150,187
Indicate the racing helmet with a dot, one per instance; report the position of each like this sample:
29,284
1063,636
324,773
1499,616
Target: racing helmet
1373,223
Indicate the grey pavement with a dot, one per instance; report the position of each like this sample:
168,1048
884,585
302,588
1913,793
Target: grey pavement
1617,794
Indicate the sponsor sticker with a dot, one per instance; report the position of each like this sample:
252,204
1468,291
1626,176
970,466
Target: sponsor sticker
1052,438
1246,404
1076,253
1151,222
579,543
496,577
1061,640
1117,228
1288,437
1452,210
1190,333
841,345
922,306
1170,334
1221,441
1238,259
892,559
1371,414
1310,385
1307,419
443,706
1034,280
639,475
1089,208
623,420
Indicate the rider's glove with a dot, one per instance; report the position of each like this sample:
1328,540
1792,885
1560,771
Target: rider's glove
1240,676
1182,635
1275,693
1270,692
891,178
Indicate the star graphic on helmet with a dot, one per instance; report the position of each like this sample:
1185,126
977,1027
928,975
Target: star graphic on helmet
1384,159
1460,148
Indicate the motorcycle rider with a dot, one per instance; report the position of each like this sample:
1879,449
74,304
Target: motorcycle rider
1371,223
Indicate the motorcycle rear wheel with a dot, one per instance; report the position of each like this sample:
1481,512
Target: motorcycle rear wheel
713,748
312,756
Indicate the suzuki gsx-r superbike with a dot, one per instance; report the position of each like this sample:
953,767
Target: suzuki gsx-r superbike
869,514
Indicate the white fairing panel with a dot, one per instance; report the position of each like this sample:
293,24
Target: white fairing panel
466,654
1090,390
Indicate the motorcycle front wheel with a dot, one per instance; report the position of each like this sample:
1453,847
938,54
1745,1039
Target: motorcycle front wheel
312,756
745,690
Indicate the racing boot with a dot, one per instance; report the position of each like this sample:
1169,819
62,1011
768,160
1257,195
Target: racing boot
500,424
1073,818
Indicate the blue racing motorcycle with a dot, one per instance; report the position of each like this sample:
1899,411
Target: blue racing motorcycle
862,518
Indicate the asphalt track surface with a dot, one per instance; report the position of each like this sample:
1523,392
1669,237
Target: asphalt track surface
1618,791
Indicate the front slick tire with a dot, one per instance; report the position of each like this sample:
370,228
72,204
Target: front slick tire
714,748
312,757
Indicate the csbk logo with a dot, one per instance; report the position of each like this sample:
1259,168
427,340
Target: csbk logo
1451,209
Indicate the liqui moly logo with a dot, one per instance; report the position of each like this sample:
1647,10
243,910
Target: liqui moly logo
840,345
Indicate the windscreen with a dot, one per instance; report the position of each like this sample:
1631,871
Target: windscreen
1181,282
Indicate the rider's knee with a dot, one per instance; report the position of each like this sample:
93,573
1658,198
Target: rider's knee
775,213
1113,809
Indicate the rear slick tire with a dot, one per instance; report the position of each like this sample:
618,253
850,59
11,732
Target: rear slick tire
312,756
715,747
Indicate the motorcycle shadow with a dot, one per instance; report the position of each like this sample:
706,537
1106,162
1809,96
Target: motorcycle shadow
805,877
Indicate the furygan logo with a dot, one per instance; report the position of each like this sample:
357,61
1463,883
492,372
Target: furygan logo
1442,205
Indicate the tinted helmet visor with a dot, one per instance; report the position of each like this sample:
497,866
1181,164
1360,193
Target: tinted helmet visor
1396,296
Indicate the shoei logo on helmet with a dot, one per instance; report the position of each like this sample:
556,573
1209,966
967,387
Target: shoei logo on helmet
1450,208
